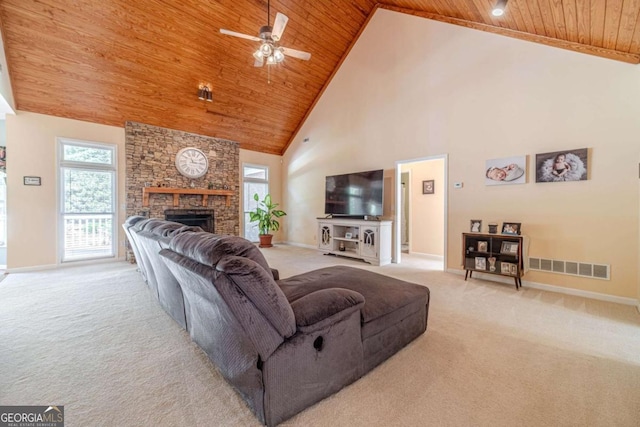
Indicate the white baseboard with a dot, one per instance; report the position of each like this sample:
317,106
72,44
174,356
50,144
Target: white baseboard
553,288
64,265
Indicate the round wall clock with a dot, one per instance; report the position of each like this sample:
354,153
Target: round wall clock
192,163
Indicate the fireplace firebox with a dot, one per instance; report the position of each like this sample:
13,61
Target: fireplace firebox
203,218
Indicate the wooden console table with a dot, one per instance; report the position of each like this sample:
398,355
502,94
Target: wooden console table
146,191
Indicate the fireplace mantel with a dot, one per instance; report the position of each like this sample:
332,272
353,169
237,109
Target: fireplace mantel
146,191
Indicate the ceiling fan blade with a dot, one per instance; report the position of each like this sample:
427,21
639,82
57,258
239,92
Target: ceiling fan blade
242,36
296,53
279,26
258,62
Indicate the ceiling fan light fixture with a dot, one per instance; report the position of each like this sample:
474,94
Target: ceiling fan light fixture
278,55
266,49
258,55
271,60
498,9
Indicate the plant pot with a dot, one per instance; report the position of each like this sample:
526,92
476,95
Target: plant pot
265,240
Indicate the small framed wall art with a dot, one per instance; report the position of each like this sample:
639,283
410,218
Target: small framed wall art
428,187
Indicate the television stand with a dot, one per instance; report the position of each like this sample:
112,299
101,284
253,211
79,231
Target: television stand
367,240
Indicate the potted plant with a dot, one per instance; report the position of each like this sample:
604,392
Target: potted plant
266,214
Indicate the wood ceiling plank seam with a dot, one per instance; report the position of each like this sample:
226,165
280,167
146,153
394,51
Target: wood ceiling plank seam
453,9
474,12
612,23
329,79
563,44
597,19
570,19
547,18
463,9
557,11
628,20
536,17
634,47
516,16
583,18
523,11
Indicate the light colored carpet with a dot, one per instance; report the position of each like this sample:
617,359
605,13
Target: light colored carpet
95,340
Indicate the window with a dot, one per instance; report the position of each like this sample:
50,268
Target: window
255,179
87,200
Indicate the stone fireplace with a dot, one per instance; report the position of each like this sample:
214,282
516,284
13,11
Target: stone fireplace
150,162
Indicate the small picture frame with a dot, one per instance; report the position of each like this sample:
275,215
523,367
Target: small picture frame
514,269
483,246
475,225
428,187
492,263
510,248
348,235
512,228
481,263
505,267
32,180
493,228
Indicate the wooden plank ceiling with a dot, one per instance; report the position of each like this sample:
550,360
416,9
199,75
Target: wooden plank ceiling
111,61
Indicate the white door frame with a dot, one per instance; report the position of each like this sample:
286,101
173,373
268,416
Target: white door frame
445,188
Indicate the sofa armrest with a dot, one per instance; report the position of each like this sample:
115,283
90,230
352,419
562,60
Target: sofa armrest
324,307
276,274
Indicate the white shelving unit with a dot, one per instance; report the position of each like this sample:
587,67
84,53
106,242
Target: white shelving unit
356,238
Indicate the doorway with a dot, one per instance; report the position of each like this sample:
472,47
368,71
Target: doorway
422,206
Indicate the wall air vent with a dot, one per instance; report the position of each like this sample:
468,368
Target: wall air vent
573,268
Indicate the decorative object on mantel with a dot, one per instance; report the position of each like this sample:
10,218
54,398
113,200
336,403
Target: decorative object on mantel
476,225
266,214
511,228
204,92
146,191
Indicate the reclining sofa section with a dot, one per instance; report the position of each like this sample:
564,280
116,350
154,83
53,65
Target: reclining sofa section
286,344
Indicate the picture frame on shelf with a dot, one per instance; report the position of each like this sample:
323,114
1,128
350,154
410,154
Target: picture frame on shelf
512,228
509,248
481,263
505,267
428,187
492,263
493,228
483,246
476,225
514,269
348,235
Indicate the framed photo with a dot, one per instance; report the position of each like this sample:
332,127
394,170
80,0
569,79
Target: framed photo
483,246
560,166
476,225
510,248
511,228
505,267
428,187
481,263
348,235
508,170
492,263
514,269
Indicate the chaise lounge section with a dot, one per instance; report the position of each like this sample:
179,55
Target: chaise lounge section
286,344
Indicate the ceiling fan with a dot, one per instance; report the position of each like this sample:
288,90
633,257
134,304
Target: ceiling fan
269,36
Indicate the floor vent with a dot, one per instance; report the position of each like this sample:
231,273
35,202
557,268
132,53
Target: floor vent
595,271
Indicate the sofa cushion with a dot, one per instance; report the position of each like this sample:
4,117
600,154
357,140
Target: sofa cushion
387,300
209,249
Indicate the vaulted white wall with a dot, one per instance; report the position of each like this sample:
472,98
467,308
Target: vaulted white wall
413,88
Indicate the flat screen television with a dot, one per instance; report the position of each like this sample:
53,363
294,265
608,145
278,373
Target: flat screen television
354,194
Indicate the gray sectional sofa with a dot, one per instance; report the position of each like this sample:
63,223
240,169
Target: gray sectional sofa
284,344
